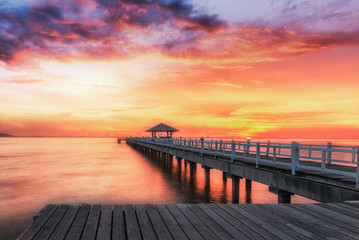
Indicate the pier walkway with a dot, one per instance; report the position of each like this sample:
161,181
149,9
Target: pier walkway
325,173
195,221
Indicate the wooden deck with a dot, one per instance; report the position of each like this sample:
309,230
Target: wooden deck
196,221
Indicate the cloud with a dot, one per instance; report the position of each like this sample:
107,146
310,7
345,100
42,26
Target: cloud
223,84
21,80
97,26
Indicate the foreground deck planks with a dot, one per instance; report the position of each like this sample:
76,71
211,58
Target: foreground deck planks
195,221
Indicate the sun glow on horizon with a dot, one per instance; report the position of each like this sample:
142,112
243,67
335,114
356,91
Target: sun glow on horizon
99,73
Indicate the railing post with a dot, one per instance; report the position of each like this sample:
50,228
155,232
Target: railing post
233,150
258,153
248,146
329,157
354,154
310,151
322,166
195,143
220,145
294,157
274,154
357,176
267,152
184,143
216,146
202,146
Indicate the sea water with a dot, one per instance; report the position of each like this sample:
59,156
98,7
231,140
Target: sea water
38,171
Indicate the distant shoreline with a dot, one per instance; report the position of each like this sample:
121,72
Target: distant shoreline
6,135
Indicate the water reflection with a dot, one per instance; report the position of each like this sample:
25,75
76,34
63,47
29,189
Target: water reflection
37,171
192,187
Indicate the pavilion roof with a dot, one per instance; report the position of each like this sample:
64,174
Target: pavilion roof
162,128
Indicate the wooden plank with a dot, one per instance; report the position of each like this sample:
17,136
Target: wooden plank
271,219
157,223
348,206
145,223
335,224
183,222
65,223
235,233
51,224
77,226
105,225
312,222
279,234
249,223
92,223
235,222
40,221
302,231
118,225
333,214
196,222
215,228
132,227
175,230
342,209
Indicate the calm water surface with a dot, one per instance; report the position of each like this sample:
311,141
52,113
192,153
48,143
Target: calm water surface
37,171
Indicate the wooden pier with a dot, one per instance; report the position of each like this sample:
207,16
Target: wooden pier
325,173
196,221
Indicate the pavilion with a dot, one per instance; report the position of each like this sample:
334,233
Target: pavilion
162,128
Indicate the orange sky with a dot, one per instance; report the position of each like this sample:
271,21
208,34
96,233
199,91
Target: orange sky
220,77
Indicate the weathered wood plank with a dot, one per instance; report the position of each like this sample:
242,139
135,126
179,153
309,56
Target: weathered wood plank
302,231
335,224
196,222
235,222
145,223
118,225
235,233
343,210
171,223
279,234
252,225
271,220
332,214
51,224
105,225
43,216
217,230
183,222
157,223
91,225
77,226
132,227
321,227
298,220
65,223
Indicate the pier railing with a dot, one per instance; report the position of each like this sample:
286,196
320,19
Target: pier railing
336,159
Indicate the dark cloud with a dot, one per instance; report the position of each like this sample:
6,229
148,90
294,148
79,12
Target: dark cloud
331,40
49,28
